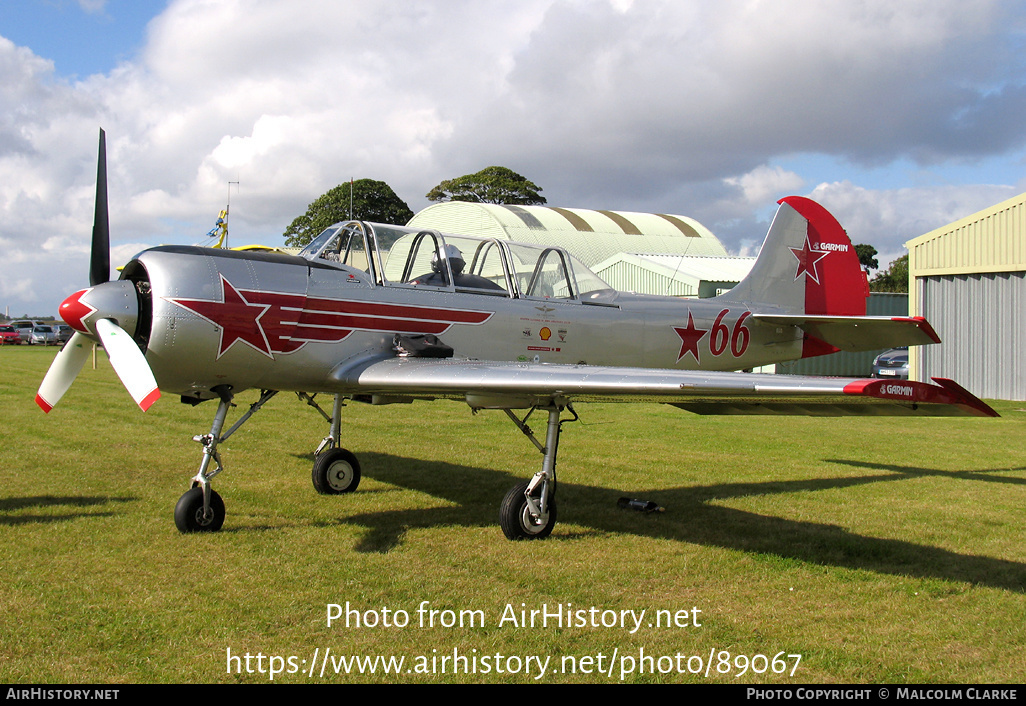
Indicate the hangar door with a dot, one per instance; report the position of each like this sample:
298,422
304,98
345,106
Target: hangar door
980,320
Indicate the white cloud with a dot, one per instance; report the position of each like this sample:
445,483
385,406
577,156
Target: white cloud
765,184
92,6
886,219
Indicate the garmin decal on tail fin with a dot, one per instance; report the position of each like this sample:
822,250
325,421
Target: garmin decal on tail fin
835,284
807,265
808,275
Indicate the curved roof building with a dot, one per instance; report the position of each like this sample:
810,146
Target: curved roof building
591,236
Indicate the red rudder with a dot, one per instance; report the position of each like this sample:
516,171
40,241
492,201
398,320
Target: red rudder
835,284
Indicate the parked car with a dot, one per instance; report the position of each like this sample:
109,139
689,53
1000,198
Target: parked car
63,333
24,328
43,336
891,364
9,335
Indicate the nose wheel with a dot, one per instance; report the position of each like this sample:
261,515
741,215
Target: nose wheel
201,509
190,515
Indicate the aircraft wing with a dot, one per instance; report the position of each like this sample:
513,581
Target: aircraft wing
508,385
859,333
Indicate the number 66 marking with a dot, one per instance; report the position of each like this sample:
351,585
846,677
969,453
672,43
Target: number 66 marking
721,335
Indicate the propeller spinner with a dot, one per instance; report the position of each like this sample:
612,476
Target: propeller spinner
106,312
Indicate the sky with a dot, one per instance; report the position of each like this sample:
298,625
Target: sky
899,117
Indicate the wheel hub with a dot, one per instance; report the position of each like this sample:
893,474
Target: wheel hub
530,523
203,519
340,476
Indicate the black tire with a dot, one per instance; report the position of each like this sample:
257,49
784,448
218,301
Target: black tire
515,520
335,472
189,512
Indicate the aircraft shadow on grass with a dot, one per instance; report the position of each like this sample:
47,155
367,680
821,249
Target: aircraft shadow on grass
9,505
691,517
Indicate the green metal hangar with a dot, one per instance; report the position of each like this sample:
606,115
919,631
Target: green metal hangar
968,279
600,240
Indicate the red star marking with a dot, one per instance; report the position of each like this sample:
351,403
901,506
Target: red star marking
807,258
74,311
238,319
689,338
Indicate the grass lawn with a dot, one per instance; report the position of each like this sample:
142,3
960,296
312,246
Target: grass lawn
879,550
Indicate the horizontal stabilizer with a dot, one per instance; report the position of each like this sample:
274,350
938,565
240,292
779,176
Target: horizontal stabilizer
859,333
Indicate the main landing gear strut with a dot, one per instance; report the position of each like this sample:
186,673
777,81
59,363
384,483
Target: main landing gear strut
529,509
335,470
527,512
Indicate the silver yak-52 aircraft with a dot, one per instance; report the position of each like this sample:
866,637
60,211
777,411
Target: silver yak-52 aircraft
386,314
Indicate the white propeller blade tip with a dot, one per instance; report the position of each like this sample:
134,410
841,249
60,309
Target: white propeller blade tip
62,373
129,363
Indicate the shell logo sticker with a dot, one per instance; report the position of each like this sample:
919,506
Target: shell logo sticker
545,333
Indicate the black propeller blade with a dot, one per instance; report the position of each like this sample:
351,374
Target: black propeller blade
99,259
128,360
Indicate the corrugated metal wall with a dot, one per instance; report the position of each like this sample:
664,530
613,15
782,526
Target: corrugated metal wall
979,319
631,277
969,282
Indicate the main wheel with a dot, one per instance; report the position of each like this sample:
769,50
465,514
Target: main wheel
336,471
515,516
189,515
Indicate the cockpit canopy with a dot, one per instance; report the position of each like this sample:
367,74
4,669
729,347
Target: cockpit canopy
397,256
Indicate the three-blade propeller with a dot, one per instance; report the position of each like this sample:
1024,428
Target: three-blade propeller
86,308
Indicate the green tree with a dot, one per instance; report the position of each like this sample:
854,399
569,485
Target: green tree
371,201
490,185
895,279
867,256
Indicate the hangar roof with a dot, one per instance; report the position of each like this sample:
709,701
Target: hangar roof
990,240
592,236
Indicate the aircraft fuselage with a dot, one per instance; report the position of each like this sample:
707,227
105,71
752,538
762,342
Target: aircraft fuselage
284,322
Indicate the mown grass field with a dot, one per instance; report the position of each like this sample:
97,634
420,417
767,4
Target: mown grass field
880,550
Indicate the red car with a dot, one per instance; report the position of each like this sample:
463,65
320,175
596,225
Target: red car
9,334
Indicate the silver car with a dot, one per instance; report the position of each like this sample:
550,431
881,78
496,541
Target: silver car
892,364
24,328
43,336
63,333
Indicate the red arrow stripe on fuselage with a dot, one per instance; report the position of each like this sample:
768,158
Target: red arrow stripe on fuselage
293,320
399,311
320,319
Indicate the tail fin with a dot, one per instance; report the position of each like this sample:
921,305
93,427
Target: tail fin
807,265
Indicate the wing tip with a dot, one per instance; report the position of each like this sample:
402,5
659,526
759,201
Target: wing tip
921,323
942,392
966,398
